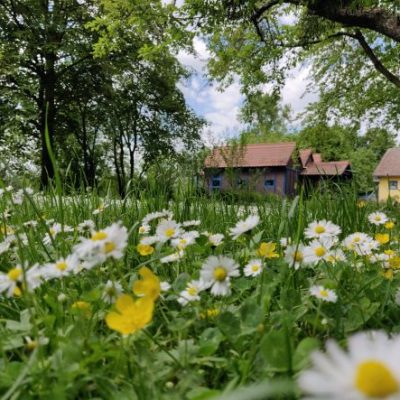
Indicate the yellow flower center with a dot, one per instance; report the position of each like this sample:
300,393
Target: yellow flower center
320,229
99,236
170,232
111,291
356,239
378,218
192,291
298,256
142,229
320,251
255,267
220,274
14,274
17,292
374,379
62,265
52,231
323,293
109,247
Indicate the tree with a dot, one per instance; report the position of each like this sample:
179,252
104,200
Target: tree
352,45
40,43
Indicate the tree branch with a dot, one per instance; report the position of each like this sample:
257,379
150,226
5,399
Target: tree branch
375,60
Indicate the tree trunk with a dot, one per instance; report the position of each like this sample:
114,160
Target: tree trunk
47,114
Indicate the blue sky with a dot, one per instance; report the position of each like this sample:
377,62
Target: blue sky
221,108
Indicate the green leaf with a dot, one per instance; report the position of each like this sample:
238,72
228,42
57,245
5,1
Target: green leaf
274,349
302,353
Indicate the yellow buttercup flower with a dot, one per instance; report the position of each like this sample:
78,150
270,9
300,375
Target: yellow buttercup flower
210,313
389,225
144,249
388,274
361,204
267,250
382,238
148,286
130,315
394,262
83,306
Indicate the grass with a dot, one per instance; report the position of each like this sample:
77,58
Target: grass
251,344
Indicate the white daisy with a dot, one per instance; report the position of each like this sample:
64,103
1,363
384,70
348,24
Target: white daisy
109,242
86,226
378,218
324,294
62,267
186,239
321,229
194,222
285,242
172,257
361,243
143,229
369,370
9,281
294,255
168,229
215,239
217,272
112,290
165,286
191,293
253,268
156,215
244,226
34,277
317,251
149,240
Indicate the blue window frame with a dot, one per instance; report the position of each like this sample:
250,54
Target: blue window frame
216,182
269,184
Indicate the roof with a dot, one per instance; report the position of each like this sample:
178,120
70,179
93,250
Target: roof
326,168
304,156
252,155
317,158
389,164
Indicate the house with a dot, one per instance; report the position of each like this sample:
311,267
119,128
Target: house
268,168
387,174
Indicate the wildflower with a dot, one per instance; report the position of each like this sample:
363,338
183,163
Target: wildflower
165,286
130,315
156,215
144,249
253,268
62,267
335,256
167,229
186,239
389,225
324,294
30,224
369,370
244,226
267,250
148,286
361,204
191,293
144,229
100,209
321,229
9,282
316,251
194,222
109,242
360,243
54,230
285,242
377,218
215,239
32,344
294,255
82,307
172,257
209,313
382,238
62,297
34,277
216,272
149,240
86,226
112,290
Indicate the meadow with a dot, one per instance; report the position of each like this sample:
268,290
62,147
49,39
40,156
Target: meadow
197,298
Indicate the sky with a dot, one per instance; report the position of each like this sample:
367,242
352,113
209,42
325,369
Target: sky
221,108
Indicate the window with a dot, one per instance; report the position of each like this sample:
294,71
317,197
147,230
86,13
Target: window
216,182
393,185
269,184
241,182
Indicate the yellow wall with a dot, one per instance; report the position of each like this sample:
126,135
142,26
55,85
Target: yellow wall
383,189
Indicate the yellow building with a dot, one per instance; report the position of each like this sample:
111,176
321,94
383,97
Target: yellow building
387,174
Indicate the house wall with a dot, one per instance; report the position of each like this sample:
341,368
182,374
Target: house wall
384,192
254,179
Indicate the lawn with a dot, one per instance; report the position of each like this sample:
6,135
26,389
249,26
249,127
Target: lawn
196,298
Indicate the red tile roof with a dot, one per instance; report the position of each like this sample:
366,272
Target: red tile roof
326,168
304,156
252,155
317,158
389,164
